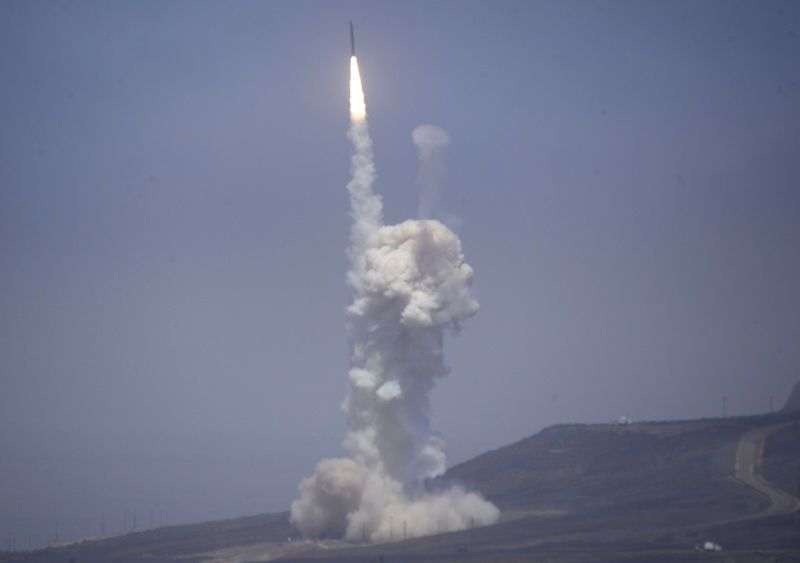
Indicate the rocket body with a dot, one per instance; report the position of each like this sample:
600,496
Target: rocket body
352,41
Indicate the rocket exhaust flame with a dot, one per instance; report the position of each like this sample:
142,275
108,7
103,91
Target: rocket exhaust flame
358,109
410,285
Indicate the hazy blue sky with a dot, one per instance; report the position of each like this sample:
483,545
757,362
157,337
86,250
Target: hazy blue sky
625,177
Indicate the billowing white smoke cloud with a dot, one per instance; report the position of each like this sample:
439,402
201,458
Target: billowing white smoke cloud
411,284
431,141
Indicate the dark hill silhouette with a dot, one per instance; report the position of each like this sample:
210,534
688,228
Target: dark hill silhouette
674,465
793,402
650,491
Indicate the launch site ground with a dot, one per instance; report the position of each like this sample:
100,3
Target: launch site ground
655,491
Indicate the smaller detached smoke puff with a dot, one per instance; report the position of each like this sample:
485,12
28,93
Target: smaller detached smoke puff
411,284
430,141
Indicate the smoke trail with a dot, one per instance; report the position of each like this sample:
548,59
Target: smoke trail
410,284
430,141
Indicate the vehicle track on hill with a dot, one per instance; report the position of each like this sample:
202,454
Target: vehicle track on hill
747,469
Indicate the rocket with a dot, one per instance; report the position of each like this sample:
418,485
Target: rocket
352,41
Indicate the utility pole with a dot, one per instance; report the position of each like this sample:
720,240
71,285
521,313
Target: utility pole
724,406
404,530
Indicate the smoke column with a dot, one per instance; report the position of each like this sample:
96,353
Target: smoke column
410,285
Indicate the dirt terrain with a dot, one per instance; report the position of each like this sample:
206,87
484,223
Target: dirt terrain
653,491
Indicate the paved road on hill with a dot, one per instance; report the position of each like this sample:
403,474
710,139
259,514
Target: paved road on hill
748,470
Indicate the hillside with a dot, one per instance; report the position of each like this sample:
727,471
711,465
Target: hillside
782,457
793,402
651,490
674,465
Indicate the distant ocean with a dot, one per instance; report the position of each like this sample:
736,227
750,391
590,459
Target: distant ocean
58,497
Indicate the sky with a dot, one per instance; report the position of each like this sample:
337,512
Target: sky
624,177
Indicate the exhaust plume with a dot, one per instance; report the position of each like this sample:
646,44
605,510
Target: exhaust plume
410,285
